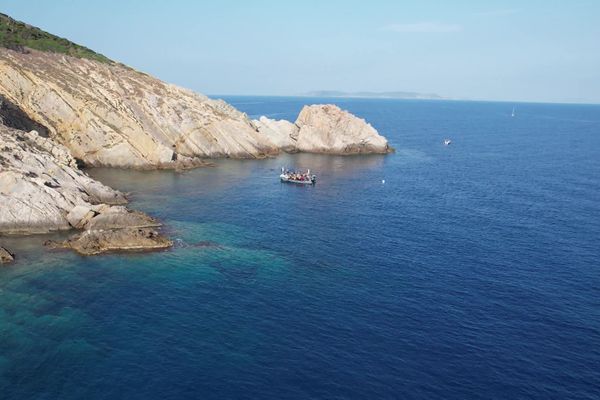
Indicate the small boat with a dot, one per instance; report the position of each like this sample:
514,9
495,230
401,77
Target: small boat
447,142
513,113
297,177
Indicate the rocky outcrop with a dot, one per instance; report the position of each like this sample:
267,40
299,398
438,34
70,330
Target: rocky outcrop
40,184
97,241
325,129
6,256
329,129
42,190
108,114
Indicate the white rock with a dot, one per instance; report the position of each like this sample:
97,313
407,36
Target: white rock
329,129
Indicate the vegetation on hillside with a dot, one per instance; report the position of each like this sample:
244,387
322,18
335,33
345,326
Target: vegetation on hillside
19,36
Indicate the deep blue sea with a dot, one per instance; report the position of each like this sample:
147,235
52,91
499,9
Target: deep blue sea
473,272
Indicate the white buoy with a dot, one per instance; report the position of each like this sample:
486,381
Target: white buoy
383,181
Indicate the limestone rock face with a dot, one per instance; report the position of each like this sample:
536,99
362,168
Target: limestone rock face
107,114
6,256
40,185
324,129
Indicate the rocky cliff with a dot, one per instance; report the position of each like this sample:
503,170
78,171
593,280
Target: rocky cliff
111,115
108,114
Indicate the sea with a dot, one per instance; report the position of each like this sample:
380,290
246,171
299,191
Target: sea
468,271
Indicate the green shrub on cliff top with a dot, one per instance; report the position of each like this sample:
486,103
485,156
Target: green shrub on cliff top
17,35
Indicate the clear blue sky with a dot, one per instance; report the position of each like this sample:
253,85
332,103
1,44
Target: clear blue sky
497,50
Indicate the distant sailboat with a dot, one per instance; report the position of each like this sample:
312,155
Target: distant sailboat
513,113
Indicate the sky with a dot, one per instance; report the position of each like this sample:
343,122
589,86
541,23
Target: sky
528,50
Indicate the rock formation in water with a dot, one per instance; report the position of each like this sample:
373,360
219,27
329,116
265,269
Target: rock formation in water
324,129
96,241
6,256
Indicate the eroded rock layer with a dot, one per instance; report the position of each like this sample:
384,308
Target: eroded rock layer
111,115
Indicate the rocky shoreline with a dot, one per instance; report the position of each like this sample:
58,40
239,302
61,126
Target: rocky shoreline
42,190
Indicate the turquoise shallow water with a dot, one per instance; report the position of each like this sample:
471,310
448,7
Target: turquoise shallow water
473,272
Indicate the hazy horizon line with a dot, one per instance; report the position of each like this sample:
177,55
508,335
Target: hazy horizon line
216,95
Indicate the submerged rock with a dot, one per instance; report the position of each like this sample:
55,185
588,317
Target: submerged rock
97,241
6,256
207,244
325,129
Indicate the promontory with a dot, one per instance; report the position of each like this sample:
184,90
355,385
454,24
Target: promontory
64,107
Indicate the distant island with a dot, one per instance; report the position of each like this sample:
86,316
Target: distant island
375,95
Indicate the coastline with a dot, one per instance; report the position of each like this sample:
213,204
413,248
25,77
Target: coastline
69,107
